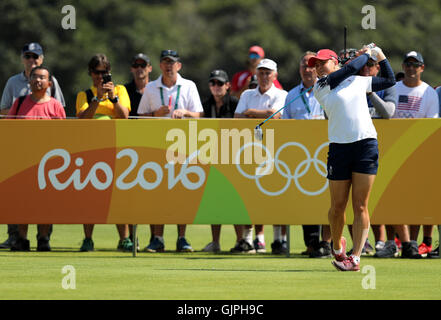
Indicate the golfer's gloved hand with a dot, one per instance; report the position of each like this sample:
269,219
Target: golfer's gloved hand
378,53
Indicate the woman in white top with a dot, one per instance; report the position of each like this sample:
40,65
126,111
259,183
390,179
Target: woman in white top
353,148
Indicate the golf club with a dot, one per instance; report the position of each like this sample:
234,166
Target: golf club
258,133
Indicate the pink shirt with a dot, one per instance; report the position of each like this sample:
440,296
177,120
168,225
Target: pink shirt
29,109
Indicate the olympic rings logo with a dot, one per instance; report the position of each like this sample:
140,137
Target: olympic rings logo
283,169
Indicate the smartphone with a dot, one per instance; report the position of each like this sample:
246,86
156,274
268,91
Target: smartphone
107,78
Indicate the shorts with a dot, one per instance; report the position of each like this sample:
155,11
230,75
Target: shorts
346,158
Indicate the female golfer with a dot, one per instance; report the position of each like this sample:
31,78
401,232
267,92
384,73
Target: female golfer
353,148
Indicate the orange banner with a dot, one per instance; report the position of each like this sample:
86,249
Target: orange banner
207,171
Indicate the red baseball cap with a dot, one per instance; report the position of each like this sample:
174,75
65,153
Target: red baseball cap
324,54
258,50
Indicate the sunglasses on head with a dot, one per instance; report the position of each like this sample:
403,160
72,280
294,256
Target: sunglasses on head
142,65
172,53
30,55
102,72
216,83
413,64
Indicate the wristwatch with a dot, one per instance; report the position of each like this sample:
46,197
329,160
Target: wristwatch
94,99
114,100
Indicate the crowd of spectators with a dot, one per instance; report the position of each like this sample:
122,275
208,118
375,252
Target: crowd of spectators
254,92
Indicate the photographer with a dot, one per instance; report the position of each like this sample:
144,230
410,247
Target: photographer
103,100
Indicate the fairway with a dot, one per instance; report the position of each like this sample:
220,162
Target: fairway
108,274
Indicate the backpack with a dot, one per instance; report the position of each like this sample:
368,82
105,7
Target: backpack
20,101
89,95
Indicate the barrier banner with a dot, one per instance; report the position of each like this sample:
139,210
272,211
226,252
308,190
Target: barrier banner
206,171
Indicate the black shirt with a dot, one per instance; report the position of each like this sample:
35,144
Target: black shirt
226,110
135,98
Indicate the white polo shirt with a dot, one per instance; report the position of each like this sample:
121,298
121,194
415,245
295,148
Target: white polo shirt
273,98
347,109
184,95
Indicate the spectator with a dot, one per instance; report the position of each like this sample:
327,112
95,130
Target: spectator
175,97
220,104
307,107
140,69
103,100
241,79
416,99
253,82
261,102
36,105
438,91
17,86
399,76
381,106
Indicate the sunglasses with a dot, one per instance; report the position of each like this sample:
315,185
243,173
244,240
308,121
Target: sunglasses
253,56
28,56
413,64
136,65
102,72
216,83
371,64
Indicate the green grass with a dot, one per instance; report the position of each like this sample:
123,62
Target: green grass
108,274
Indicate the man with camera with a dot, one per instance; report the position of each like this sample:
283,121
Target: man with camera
103,100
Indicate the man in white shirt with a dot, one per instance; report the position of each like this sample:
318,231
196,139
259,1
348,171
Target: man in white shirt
171,95
175,97
416,99
260,102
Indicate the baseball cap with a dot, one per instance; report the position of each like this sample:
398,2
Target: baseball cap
253,81
141,56
220,75
172,54
415,55
324,54
267,64
374,58
258,50
33,47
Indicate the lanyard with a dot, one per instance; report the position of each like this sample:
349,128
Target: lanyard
305,103
177,96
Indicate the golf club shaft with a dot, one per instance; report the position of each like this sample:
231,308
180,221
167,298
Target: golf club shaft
304,91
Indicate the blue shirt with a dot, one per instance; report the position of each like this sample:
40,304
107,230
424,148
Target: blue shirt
305,107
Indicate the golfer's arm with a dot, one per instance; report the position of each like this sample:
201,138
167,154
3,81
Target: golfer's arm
352,68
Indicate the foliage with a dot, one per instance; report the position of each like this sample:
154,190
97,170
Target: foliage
210,34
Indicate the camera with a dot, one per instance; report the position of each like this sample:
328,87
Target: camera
107,78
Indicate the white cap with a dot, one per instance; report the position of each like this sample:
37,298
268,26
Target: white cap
267,64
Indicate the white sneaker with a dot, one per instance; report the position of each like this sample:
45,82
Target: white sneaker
212,247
